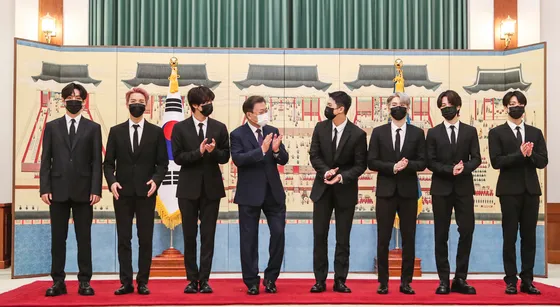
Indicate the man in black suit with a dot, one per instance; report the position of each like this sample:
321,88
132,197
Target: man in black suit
135,165
396,153
517,150
453,153
70,180
200,144
257,150
338,155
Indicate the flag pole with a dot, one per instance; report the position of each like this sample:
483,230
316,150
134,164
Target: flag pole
171,243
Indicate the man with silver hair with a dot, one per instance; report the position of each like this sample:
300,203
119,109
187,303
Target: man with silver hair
396,153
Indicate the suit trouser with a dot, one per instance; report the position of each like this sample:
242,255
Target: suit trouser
464,215
125,210
82,213
385,210
249,217
519,212
344,214
191,211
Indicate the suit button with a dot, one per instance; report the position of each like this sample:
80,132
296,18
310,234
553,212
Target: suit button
70,160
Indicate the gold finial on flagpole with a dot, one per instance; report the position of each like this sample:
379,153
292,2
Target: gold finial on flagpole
399,78
174,77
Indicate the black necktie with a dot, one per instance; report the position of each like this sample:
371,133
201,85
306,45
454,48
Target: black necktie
334,142
398,143
135,138
72,134
200,132
260,138
453,138
519,137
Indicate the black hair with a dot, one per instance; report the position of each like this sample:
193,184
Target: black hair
199,95
520,97
453,98
249,104
342,100
68,91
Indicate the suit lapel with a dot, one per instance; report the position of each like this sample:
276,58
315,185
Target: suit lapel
209,130
82,126
343,139
388,136
444,133
64,131
145,134
126,130
251,136
405,141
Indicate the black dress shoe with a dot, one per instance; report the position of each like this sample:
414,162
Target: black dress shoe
192,287
125,289
511,289
339,286
205,287
319,287
460,285
57,289
253,290
443,288
85,289
269,286
382,289
529,289
406,289
143,289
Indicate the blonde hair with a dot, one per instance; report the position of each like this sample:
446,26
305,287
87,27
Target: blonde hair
402,96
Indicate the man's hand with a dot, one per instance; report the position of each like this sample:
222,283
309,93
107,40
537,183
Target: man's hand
47,197
330,173
529,149
458,168
115,187
336,179
153,187
266,143
203,146
210,147
399,166
276,142
94,199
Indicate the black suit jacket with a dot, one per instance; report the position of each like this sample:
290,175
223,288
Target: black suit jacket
133,170
71,171
382,158
350,158
195,168
442,158
255,170
517,173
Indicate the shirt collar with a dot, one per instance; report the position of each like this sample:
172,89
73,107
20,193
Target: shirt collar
340,127
254,129
77,118
447,125
131,123
512,125
196,122
394,127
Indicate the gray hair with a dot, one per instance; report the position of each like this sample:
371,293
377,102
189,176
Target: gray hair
402,96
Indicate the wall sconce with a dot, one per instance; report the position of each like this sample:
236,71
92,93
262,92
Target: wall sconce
507,30
48,26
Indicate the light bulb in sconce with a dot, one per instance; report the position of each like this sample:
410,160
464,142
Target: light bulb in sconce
48,26
507,30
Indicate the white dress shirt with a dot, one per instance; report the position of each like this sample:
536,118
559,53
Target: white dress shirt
69,121
340,130
394,134
131,131
204,126
448,129
513,127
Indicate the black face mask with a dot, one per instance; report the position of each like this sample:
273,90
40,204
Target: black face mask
398,113
516,112
136,109
73,106
207,109
449,112
329,113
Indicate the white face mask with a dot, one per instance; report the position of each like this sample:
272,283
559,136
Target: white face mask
262,119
